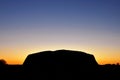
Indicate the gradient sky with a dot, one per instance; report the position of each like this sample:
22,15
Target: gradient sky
28,26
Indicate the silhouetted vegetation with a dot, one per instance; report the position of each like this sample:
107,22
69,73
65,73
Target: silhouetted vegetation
59,65
2,62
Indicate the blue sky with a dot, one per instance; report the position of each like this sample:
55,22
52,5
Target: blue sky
70,24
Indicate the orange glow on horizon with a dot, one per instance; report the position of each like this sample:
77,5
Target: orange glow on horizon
18,56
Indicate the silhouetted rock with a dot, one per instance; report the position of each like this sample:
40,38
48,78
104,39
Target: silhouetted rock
60,64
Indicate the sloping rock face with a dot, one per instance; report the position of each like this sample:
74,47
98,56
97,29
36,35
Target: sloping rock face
60,64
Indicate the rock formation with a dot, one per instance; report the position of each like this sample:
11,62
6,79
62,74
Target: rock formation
60,64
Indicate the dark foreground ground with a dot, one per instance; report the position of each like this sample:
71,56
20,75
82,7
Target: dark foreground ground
104,72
